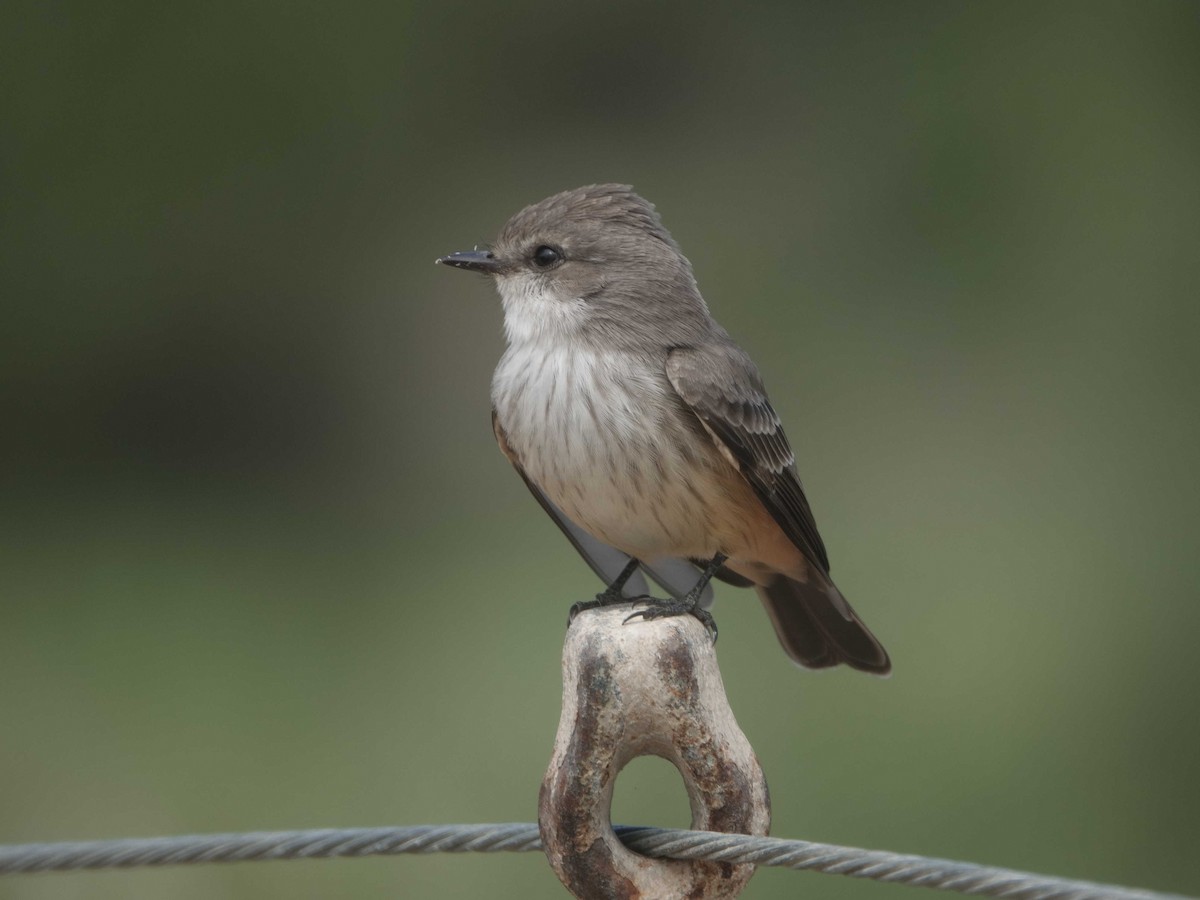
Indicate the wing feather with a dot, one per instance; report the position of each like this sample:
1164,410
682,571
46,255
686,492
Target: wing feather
720,384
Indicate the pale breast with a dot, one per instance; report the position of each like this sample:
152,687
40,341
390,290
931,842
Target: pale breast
605,438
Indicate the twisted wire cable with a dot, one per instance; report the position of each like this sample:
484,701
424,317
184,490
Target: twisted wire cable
896,868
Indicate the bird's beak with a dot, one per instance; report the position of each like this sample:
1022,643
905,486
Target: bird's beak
473,261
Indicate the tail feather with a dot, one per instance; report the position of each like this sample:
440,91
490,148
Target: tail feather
817,627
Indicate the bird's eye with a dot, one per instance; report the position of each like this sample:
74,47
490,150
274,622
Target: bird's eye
546,256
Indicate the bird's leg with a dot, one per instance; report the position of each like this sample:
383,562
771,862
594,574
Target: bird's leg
609,596
689,604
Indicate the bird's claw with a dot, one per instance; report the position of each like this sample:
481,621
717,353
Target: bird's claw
661,609
602,599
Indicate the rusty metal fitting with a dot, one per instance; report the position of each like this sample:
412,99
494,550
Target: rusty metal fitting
637,689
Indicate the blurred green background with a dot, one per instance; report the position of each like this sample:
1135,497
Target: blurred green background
262,566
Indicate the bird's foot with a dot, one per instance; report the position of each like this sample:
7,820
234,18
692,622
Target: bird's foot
685,606
605,598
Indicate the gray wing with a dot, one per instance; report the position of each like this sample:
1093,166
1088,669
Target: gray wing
720,384
676,576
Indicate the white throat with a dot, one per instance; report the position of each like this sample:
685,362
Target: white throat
532,313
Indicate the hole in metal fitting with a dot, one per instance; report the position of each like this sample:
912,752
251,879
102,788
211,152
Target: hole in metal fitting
650,791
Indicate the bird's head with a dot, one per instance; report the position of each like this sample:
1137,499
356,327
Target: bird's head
594,263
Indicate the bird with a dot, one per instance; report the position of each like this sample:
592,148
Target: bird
645,431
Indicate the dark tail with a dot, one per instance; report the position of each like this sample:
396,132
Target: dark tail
818,628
